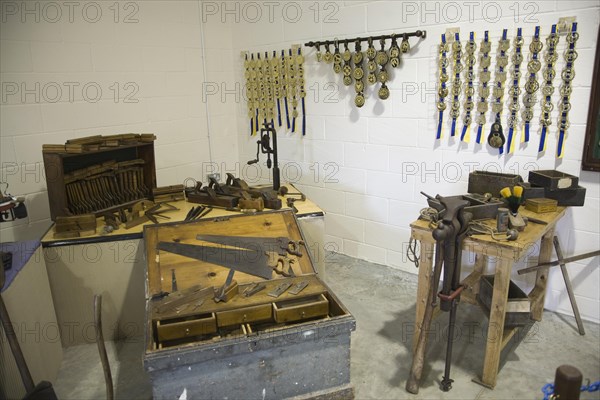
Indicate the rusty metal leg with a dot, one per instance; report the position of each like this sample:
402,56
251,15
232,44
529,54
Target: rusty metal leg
569,287
424,283
496,325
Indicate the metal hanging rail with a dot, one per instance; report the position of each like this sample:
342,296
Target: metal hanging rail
419,34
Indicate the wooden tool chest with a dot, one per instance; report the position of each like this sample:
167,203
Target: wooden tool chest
71,192
265,346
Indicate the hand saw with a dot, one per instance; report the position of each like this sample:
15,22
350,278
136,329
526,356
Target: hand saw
250,262
281,245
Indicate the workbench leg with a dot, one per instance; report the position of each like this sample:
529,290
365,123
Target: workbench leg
424,284
480,263
538,293
495,332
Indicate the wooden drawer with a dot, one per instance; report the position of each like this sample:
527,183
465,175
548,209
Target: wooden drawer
252,314
172,330
300,309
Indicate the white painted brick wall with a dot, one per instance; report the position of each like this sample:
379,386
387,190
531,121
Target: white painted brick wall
151,51
387,152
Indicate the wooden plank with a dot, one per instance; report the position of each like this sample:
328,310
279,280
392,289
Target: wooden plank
425,272
538,293
507,335
471,282
496,324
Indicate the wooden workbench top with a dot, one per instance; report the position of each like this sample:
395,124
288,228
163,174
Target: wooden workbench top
305,209
484,244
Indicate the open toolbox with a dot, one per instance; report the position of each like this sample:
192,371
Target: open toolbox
195,303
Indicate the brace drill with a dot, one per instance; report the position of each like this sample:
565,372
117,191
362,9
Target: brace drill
449,234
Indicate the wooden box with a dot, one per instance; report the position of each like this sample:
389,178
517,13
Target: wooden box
294,345
552,179
518,308
541,205
59,164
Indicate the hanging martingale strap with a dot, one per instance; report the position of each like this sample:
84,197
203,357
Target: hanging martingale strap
568,74
550,57
292,89
532,85
470,60
484,77
442,89
248,73
515,91
269,90
458,67
501,62
277,83
301,83
285,79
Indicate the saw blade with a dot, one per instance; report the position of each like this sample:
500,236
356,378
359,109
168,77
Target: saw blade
250,262
281,245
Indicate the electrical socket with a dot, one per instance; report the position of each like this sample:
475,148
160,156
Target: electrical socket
215,175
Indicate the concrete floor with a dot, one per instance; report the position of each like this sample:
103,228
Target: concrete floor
383,302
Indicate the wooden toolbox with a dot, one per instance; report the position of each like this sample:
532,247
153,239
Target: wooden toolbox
64,176
296,344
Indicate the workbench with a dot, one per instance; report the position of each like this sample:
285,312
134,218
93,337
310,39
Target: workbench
113,265
506,253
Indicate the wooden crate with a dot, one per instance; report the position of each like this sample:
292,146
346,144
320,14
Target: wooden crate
248,347
59,164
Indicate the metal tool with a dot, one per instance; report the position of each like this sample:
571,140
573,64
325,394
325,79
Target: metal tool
280,289
535,221
221,293
253,289
449,234
282,245
569,287
173,281
283,266
172,302
559,262
268,135
298,287
251,262
194,213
